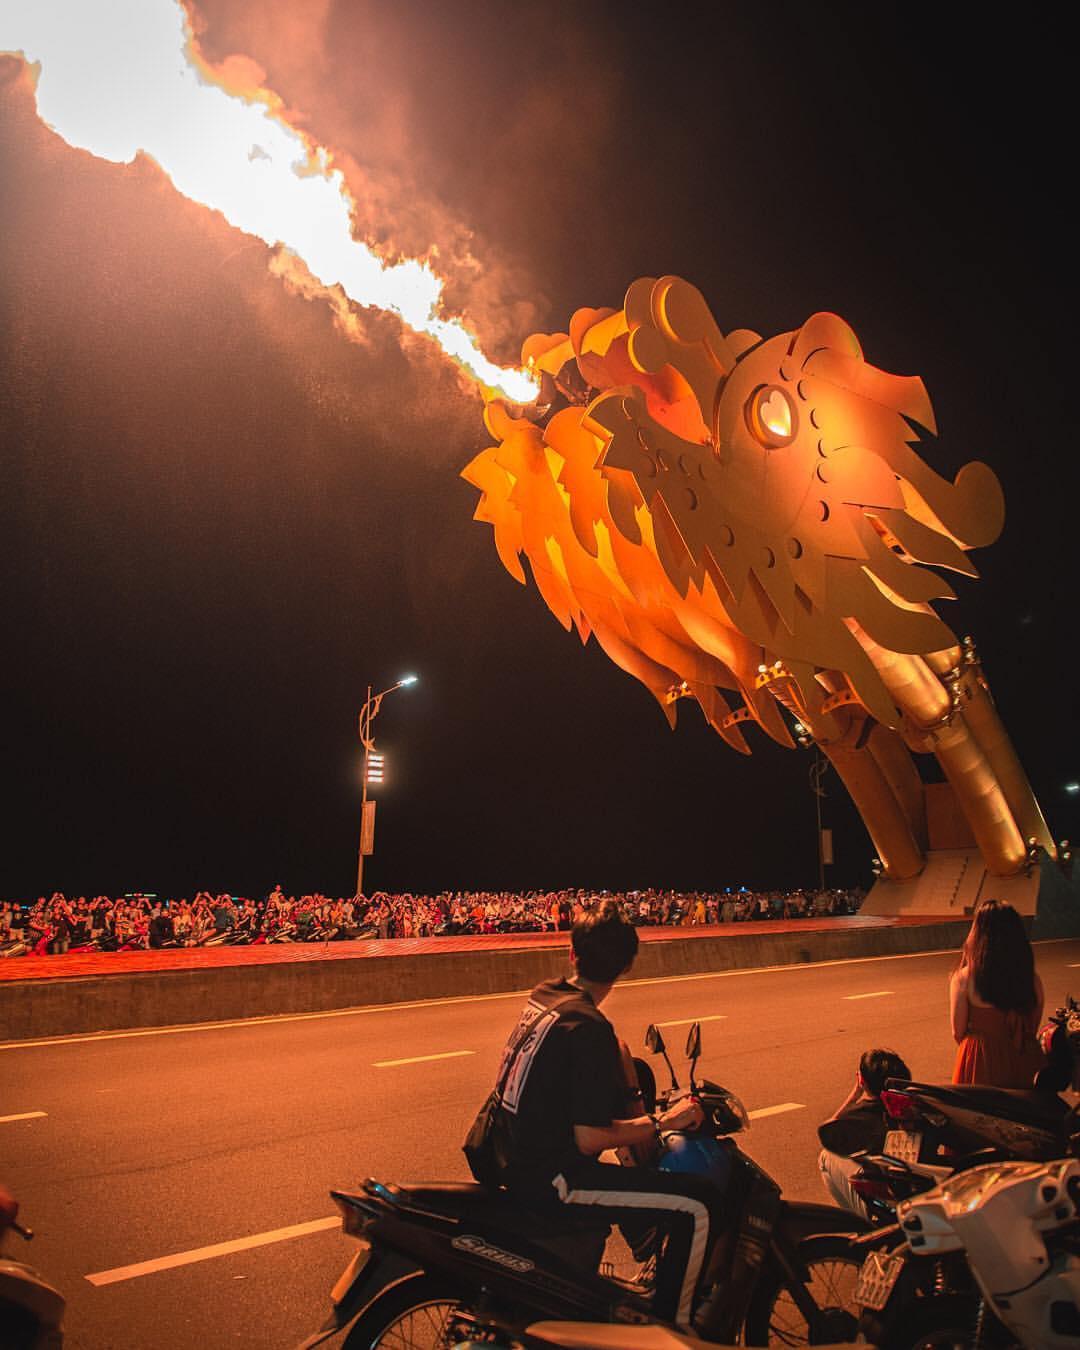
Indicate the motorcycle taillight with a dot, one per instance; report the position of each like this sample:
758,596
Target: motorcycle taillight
872,1188
899,1107
353,1219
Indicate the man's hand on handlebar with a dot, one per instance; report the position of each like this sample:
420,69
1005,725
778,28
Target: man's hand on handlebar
683,1115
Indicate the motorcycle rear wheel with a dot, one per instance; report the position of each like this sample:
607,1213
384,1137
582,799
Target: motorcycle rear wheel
774,1318
414,1315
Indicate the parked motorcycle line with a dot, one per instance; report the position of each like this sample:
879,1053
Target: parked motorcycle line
975,1204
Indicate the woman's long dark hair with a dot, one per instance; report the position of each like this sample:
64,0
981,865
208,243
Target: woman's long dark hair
1000,959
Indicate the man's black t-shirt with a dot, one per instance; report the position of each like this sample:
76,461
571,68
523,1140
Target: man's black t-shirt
861,1126
565,1070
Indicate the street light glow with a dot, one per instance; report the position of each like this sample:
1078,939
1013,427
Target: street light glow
1072,788
408,679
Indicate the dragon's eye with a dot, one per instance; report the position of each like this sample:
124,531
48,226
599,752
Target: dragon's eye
771,416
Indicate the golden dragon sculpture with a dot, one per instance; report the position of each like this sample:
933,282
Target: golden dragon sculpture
748,522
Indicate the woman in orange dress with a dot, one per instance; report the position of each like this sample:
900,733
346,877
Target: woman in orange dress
996,1002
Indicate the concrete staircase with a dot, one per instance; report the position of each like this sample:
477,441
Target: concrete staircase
955,881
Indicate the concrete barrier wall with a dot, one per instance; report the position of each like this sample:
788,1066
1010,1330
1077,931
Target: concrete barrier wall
68,1006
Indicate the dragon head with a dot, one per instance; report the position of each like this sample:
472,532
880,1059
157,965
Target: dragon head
731,514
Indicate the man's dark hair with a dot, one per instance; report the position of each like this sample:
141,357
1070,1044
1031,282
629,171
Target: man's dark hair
876,1067
604,943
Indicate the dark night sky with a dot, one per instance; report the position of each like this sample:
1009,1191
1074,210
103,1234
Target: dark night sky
220,519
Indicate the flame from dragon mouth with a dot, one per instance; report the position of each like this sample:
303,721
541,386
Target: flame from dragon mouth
127,77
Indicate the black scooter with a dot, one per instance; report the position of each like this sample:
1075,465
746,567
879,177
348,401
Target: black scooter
439,1262
939,1129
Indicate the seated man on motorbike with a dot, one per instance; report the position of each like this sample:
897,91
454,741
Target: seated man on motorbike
561,1100
859,1124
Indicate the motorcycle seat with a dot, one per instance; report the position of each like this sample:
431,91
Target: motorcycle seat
1024,1106
467,1200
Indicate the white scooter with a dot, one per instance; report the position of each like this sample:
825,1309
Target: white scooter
1010,1232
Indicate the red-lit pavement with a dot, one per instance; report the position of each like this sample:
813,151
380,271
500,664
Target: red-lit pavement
134,1152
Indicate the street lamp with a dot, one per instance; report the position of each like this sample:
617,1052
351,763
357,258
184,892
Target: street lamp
818,769
373,773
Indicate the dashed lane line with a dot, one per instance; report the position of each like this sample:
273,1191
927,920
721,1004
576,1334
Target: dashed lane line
367,1009
689,1021
420,1059
764,1111
878,993
119,1273
23,1115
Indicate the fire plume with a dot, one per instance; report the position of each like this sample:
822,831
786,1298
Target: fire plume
127,77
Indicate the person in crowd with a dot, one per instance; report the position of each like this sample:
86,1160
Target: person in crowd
183,923
161,930
80,923
224,912
858,1123
996,1002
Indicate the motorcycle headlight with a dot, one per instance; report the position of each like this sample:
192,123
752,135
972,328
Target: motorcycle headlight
726,1110
966,1191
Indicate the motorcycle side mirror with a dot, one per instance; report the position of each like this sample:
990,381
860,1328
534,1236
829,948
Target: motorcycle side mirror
693,1042
693,1048
654,1043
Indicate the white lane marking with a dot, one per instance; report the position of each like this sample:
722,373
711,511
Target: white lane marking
689,1021
366,1009
119,1273
878,993
419,1059
23,1115
763,1111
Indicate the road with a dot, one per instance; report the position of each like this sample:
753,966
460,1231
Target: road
130,1149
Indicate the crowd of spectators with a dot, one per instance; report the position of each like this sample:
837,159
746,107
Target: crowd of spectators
55,925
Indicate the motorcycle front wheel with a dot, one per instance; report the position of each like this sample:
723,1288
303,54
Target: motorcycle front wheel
413,1315
774,1317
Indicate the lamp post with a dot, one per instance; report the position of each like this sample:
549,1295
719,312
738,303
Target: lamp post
368,713
818,769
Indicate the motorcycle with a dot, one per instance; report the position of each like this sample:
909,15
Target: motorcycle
31,1310
433,1259
939,1130
989,1258
989,1255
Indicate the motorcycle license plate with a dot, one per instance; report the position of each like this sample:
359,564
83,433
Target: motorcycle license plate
349,1274
903,1144
877,1279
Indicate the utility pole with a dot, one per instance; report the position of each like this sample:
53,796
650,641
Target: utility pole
818,770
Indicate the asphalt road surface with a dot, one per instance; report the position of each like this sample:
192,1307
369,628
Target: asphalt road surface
135,1152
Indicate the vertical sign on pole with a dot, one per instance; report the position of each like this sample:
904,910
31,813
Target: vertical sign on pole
367,830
